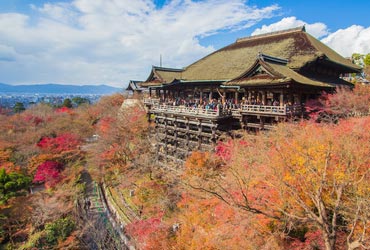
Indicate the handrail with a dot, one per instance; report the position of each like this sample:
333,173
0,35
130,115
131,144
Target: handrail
281,110
222,112
190,110
151,101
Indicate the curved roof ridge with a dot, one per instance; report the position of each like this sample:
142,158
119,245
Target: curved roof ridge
300,28
166,69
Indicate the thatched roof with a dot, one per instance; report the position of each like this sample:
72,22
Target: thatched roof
295,45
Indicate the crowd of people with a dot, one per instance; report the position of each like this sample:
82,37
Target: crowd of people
215,104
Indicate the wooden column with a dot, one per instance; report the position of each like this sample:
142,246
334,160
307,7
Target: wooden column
236,97
264,100
175,132
199,134
165,136
281,100
187,134
262,122
214,134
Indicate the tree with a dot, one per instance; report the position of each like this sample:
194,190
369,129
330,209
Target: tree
67,103
293,179
48,173
341,104
367,59
11,184
58,230
79,100
18,107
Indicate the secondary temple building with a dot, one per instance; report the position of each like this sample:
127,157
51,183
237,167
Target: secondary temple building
250,84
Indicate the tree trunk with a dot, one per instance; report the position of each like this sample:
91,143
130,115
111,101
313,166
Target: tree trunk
329,240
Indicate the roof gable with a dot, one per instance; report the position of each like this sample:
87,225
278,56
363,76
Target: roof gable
260,69
160,75
268,70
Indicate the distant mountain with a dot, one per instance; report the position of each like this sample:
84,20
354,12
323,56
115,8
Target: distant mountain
58,89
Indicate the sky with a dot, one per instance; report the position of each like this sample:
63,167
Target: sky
114,41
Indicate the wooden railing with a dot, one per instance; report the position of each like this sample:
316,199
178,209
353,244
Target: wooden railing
191,110
285,110
151,101
262,109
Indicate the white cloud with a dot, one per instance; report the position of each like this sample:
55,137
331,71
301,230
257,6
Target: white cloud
354,39
112,41
315,29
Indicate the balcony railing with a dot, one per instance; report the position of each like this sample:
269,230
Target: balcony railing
262,109
151,101
190,111
291,110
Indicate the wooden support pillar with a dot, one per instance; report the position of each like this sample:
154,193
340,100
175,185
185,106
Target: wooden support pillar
200,96
187,133
264,99
241,121
175,132
165,136
281,100
199,134
262,122
236,97
214,135
249,96
211,94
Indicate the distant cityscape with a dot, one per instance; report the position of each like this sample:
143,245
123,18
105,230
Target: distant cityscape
8,100
52,94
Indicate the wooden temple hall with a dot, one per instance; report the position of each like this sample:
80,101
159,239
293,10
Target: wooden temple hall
253,83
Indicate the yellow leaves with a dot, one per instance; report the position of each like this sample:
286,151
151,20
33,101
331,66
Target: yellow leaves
198,164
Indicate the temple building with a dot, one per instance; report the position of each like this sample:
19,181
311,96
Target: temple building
250,84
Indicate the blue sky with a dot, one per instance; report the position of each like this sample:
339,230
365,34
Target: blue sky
113,41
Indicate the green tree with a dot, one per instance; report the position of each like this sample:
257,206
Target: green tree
19,107
59,230
80,100
367,59
67,103
11,184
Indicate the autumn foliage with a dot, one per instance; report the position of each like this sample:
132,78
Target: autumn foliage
341,104
42,145
49,173
61,143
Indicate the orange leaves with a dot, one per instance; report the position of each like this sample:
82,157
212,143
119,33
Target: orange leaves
197,163
295,176
209,223
201,164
